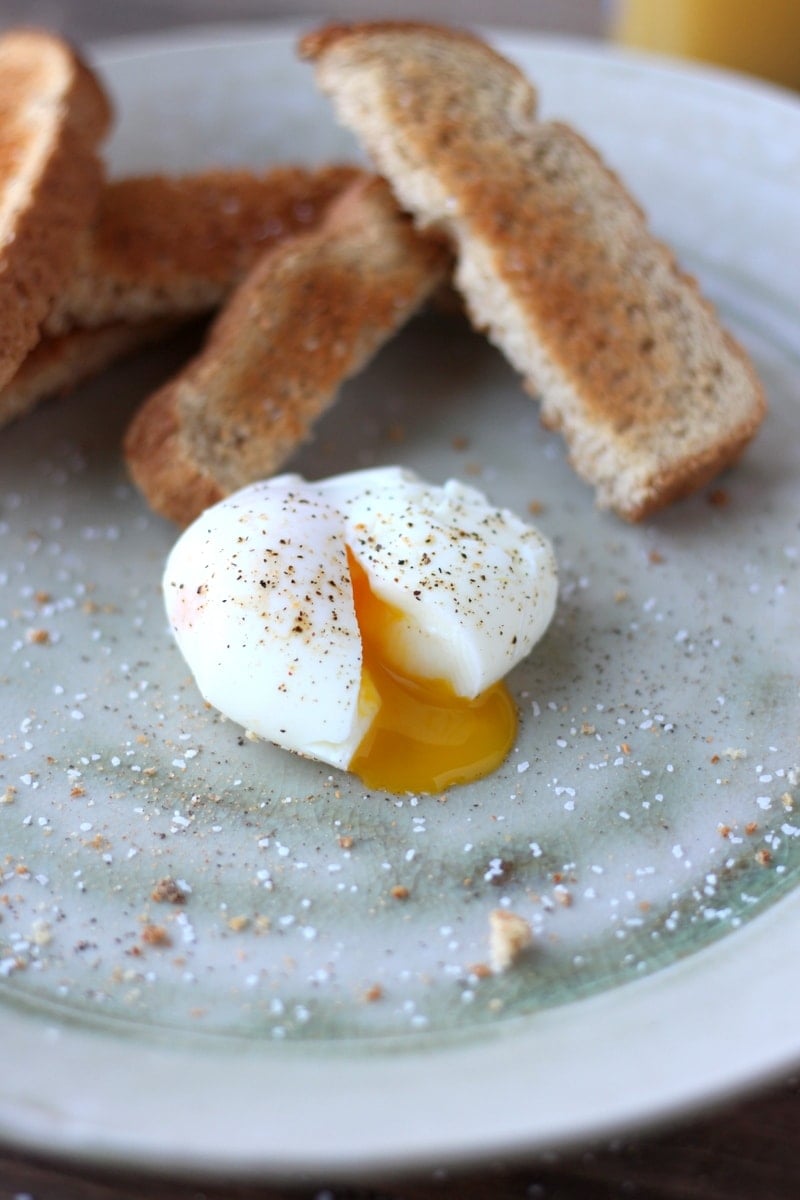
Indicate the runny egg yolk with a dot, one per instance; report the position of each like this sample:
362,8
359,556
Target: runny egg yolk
424,737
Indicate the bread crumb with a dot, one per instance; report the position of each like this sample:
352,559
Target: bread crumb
156,935
399,892
346,842
373,993
480,970
763,857
37,637
41,934
238,924
168,891
510,936
98,842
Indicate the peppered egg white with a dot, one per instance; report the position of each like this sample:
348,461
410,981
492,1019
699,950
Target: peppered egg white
365,620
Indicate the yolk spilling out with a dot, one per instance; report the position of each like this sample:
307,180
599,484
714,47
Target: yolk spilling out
424,738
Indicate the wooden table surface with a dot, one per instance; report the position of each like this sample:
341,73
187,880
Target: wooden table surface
750,1150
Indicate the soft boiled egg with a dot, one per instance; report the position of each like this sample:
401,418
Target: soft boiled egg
365,620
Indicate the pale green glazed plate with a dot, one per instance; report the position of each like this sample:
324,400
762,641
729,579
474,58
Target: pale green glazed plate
301,1017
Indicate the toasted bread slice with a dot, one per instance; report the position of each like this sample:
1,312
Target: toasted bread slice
53,115
56,365
175,246
161,251
554,259
308,316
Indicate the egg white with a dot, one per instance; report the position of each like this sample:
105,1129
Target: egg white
476,584
259,598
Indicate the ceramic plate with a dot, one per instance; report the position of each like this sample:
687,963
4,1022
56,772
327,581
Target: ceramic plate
297,1014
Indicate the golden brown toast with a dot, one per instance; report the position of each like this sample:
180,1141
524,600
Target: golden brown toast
162,250
175,245
553,257
53,115
58,364
308,316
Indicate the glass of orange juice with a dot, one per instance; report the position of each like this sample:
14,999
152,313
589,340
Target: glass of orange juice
760,37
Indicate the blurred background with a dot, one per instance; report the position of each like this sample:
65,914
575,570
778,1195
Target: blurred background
103,18
760,37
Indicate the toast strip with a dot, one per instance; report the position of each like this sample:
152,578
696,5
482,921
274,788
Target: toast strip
309,315
554,259
56,365
169,246
161,251
53,115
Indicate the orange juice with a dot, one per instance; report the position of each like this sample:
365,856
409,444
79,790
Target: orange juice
761,37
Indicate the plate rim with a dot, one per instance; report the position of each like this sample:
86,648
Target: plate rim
78,1134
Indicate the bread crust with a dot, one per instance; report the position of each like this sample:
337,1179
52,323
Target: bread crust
554,259
308,316
317,42
53,114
